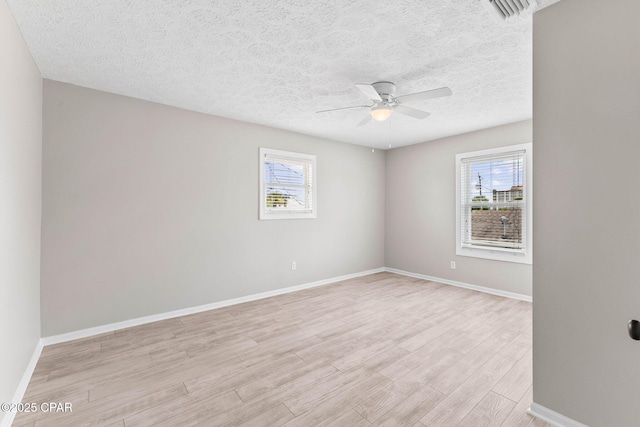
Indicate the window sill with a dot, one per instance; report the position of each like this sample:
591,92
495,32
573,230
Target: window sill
495,254
283,215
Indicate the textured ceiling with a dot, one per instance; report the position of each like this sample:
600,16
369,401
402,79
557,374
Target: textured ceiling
277,62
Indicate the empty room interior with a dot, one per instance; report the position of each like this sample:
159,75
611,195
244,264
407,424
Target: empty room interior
337,213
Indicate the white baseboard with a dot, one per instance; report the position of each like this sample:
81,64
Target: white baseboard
85,333
461,285
8,417
552,417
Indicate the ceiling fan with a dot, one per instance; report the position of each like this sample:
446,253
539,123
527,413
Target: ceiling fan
384,103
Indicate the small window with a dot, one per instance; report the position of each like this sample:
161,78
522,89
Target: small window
493,204
287,185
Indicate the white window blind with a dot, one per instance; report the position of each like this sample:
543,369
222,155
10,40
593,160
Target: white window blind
287,185
494,202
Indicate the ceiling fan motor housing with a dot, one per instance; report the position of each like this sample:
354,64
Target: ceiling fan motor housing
386,90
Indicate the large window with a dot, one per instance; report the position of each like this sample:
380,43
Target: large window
493,208
287,185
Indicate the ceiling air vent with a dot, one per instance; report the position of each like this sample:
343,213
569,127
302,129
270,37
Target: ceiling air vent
508,8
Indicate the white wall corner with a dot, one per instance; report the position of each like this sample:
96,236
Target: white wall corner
478,288
8,417
552,417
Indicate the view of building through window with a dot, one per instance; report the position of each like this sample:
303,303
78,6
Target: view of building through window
493,200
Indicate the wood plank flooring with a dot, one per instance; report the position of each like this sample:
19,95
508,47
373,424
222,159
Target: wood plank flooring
380,350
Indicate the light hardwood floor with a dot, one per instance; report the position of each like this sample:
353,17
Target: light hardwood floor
383,350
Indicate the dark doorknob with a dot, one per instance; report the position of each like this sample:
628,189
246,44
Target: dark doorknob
634,329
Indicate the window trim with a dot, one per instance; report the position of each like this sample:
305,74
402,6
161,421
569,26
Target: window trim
266,214
523,256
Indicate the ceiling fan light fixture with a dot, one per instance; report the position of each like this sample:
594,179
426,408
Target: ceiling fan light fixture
381,113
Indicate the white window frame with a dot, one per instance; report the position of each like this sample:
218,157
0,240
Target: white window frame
270,213
524,255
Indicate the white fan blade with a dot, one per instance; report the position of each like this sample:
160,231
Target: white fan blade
345,108
365,120
369,91
412,112
427,94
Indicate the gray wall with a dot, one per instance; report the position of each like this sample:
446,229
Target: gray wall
149,208
20,204
420,230
587,203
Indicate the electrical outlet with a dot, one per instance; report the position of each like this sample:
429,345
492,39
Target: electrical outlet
453,265
293,265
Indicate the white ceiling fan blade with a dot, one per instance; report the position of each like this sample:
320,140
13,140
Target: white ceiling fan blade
369,91
412,112
345,108
365,120
427,94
